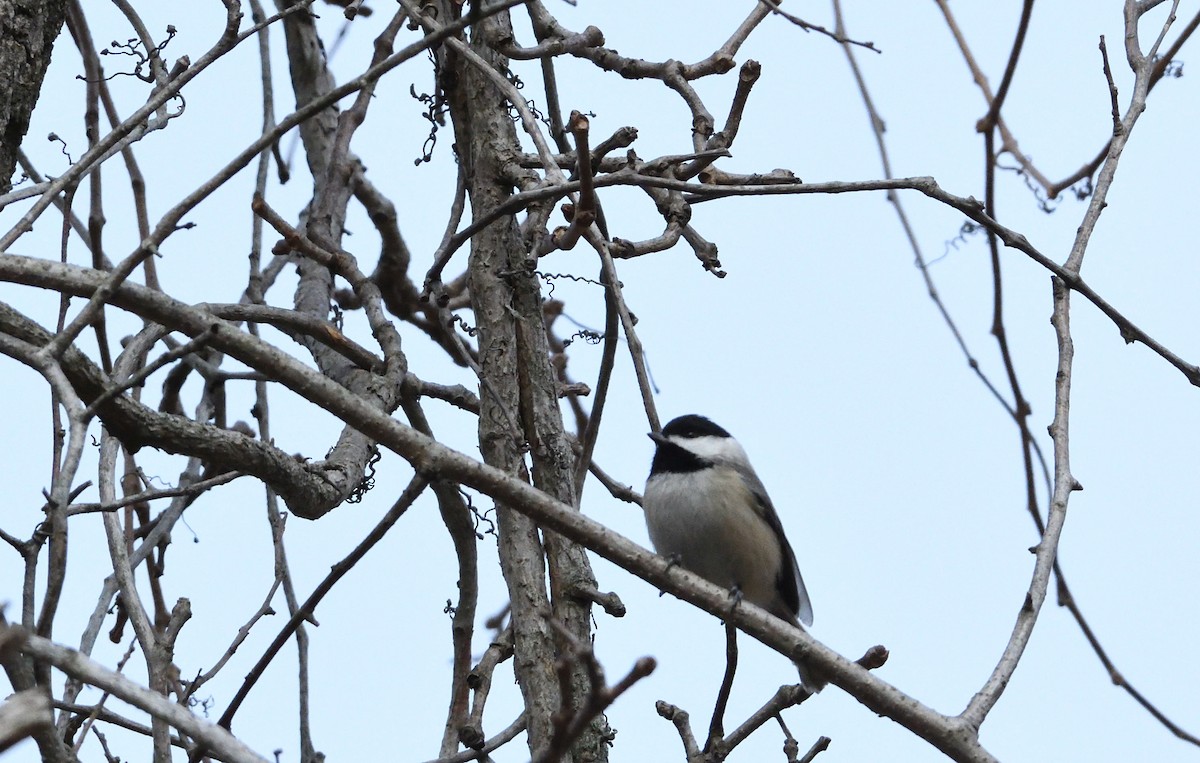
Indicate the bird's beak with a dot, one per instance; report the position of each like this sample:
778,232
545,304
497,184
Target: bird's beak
658,438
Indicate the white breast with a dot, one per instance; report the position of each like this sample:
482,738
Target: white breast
716,532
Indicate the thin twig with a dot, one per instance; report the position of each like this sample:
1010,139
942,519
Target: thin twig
837,35
414,489
716,727
193,489
76,665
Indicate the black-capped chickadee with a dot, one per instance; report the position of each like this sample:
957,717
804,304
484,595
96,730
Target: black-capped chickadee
707,510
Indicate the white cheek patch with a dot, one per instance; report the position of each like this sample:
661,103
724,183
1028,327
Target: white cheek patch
713,448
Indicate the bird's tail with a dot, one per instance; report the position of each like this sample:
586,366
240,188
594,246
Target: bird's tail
810,677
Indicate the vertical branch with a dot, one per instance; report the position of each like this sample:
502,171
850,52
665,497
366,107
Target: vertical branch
55,526
1020,408
1047,549
82,36
716,728
515,368
989,125
276,519
1064,481
91,117
637,354
131,603
456,515
25,673
336,172
608,358
254,285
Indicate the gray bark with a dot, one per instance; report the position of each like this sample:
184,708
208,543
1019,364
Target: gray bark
27,32
519,409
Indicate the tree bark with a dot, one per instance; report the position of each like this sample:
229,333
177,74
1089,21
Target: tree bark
27,32
520,410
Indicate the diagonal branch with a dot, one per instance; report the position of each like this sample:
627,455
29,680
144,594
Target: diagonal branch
80,667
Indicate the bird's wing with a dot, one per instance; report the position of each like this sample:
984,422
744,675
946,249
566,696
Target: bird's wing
791,584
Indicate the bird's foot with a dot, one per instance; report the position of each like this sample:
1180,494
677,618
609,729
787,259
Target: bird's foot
672,561
735,598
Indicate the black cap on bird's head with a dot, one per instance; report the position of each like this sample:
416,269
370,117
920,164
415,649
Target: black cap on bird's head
693,425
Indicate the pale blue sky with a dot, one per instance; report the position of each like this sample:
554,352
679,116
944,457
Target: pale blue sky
897,476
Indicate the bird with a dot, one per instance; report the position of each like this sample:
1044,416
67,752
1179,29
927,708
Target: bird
707,510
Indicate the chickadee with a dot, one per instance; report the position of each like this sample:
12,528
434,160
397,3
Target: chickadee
708,510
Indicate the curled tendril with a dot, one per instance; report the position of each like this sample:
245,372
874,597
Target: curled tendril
368,480
1083,189
134,48
1049,206
587,335
458,319
549,278
515,114
53,138
479,518
434,113
967,230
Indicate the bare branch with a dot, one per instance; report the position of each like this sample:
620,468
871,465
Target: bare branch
21,713
76,665
414,489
